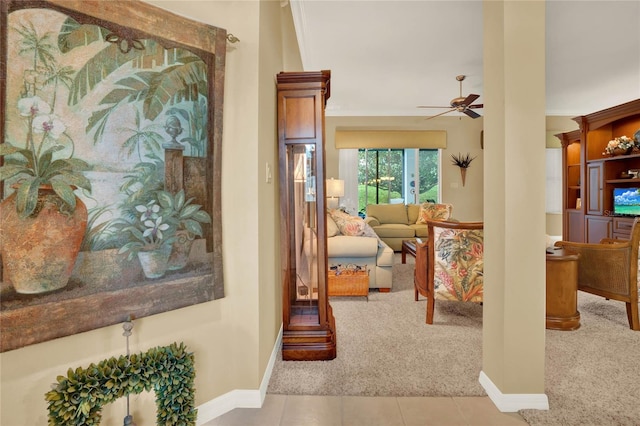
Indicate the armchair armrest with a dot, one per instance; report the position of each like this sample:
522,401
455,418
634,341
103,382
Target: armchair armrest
372,221
604,244
611,241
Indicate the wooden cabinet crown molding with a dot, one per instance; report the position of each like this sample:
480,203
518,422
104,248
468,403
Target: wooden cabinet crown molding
600,118
568,138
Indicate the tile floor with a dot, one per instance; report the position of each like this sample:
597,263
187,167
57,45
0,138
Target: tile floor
303,410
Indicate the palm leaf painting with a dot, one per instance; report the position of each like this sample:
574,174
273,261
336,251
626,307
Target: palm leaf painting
155,89
184,78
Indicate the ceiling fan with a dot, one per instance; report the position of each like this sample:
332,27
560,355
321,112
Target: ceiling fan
460,104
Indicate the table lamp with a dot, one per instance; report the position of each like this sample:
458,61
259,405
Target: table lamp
335,190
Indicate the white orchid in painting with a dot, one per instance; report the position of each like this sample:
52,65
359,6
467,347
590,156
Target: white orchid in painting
35,164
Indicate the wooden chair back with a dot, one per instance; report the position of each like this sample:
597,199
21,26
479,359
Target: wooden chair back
610,269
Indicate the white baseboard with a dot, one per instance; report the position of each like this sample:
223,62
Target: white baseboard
240,398
512,402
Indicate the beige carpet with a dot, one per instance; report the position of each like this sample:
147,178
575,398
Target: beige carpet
592,374
386,349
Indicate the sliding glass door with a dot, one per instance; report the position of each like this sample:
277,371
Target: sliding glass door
397,176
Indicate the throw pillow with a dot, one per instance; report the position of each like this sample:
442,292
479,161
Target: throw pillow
347,224
369,232
352,225
434,211
332,228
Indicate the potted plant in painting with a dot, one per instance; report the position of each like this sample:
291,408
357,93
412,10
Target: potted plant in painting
187,218
43,220
152,239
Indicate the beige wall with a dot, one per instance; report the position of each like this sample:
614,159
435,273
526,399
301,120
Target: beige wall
558,124
513,320
278,45
463,136
232,338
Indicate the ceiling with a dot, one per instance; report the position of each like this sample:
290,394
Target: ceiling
388,56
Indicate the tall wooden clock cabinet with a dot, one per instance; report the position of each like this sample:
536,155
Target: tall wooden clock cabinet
308,322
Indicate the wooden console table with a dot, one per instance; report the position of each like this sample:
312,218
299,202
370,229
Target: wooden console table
562,290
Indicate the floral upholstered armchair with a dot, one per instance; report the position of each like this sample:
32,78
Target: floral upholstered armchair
455,265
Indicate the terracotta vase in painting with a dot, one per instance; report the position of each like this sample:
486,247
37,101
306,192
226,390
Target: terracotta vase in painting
39,252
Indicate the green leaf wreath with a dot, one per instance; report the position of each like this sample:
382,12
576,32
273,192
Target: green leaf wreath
167,370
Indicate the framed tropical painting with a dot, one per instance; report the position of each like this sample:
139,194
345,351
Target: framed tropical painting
111,124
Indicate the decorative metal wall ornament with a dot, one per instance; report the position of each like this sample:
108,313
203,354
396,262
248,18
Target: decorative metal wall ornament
232,39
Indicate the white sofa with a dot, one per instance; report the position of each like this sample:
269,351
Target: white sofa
360,250
351,241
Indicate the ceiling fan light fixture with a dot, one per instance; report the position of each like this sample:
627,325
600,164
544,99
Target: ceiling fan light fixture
458,102
461,104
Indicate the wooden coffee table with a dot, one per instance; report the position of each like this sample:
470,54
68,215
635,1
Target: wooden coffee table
408,247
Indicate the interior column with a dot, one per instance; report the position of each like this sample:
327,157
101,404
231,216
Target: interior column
514,204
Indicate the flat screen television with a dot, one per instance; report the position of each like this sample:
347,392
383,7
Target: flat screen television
626,201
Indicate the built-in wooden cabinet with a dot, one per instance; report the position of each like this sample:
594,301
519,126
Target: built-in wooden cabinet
598,227
573,229
590,175
622,227
595,194
572,182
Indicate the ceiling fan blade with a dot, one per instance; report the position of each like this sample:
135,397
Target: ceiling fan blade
423,106
470,113
469,99
476,106
437,115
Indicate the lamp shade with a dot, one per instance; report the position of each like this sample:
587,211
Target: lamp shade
335,188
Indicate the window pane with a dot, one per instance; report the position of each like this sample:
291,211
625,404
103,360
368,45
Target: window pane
429,175
381,176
